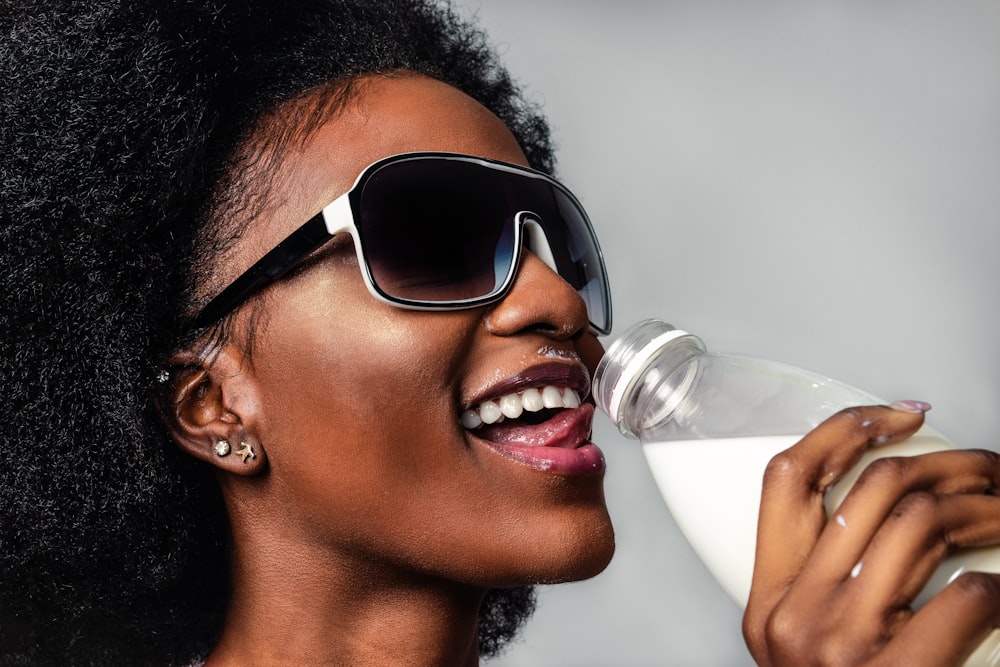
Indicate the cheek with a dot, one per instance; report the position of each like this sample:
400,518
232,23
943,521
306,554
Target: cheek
366,453
364,386
351,410
327,340
356,382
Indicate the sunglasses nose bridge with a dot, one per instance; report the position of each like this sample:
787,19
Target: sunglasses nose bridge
535,240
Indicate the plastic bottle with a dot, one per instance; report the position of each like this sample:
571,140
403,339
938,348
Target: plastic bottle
709,424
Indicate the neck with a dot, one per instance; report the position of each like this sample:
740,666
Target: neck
295,607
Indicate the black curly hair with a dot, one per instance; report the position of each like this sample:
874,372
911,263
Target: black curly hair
120,123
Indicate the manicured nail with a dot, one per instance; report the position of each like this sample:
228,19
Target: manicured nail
911,406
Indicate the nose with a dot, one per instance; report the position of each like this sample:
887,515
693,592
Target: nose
539,300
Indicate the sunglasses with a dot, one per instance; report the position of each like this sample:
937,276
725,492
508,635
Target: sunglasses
441,231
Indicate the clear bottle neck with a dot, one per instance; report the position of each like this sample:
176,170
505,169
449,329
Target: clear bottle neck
650,354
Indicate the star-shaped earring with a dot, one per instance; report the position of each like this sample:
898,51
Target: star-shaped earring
245,452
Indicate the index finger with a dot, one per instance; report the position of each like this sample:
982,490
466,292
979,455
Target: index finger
792,514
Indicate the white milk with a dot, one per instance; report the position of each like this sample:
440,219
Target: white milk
712,488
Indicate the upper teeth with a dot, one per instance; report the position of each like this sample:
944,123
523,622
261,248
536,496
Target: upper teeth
513,404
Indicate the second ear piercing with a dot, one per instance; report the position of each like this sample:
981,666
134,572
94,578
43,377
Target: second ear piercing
246,452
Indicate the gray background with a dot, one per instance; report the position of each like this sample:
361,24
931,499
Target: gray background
813,182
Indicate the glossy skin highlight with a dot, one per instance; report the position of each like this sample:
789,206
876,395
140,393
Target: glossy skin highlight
371,522
373,519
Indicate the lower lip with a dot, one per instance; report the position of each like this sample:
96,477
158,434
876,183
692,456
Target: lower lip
569,454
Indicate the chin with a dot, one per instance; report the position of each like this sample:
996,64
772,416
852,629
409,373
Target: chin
586,541
581,553
594,560
586,570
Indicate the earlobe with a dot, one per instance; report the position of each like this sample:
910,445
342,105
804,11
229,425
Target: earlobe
246,451
210,409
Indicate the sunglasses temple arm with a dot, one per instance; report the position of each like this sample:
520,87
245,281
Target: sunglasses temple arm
297,245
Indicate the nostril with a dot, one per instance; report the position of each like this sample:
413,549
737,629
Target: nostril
544,326
558,332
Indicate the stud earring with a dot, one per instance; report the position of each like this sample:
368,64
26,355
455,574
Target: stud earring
222,448
245,452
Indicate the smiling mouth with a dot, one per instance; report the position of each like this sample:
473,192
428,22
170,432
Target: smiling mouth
533,406
546,427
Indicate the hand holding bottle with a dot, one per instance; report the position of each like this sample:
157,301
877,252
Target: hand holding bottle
849,553
839,589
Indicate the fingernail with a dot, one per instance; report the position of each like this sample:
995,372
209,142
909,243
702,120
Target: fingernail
911,406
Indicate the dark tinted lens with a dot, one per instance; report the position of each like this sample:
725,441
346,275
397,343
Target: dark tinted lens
438,230
582,265
575,250
432,231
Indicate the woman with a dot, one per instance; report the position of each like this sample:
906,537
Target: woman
157,120
256,399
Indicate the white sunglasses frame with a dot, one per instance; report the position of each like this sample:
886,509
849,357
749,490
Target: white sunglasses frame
337,217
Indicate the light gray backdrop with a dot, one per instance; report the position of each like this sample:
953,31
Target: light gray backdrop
813,182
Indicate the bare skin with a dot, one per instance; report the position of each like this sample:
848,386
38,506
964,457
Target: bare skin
370,523
810,604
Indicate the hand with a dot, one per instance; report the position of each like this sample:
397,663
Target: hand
838,591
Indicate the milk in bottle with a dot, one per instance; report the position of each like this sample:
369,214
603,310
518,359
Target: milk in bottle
709,424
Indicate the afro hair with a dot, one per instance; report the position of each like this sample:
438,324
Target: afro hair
118,120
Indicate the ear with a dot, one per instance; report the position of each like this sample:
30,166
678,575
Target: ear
211,409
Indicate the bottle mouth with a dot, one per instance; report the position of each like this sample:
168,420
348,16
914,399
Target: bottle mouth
625,363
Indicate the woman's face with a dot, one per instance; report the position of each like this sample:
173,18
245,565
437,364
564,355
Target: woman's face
359,404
